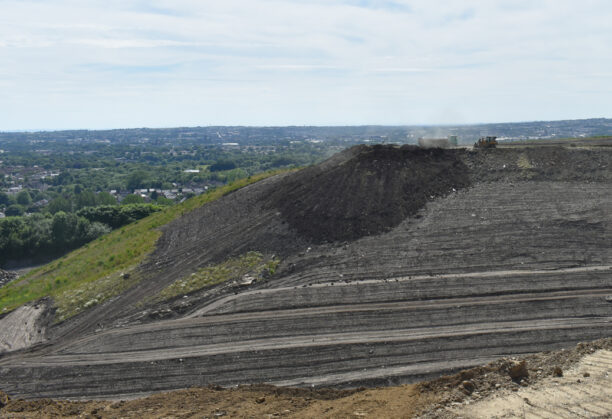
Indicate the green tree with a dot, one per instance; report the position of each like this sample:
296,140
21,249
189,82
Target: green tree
63,229
14,210
162,200
132,199
86,199
24,198
59,204
137,180
105,198
37,237
222,165
64,178
37,195
95,230
116,216
4,199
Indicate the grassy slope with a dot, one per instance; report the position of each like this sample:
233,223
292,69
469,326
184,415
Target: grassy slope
251,263
93,273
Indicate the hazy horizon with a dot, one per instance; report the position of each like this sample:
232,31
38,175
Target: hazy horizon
34,130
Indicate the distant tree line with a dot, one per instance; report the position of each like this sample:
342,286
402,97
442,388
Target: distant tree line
73,193
43,235
115,216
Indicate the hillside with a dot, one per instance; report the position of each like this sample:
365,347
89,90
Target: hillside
383,265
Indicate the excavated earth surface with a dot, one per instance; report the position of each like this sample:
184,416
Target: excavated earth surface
572,383
500,253
371,191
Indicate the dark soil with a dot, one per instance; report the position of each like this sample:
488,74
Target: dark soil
369,191
425,400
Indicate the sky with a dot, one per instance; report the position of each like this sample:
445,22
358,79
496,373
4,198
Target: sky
72,64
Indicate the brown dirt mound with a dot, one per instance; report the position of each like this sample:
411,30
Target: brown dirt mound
367,190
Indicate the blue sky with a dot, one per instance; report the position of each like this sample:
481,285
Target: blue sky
161,63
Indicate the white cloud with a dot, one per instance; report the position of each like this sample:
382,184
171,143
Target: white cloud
132,43
68,63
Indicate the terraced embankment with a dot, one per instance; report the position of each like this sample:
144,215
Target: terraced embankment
518,262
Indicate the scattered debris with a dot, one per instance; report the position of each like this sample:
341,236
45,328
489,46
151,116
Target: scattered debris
6,277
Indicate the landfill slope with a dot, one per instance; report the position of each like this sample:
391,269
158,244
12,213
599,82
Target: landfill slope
485,254
370,192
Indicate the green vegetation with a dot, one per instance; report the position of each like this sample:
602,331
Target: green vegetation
73,173
118,216
132,199
41,236
526,166
103,268
252,264
523,162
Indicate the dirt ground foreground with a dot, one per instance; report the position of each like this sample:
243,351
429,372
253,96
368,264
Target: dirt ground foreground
547,385
241,402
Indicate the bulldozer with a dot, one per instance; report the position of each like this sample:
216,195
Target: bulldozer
486,142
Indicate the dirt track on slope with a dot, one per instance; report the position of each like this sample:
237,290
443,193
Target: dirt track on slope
369,342
492,392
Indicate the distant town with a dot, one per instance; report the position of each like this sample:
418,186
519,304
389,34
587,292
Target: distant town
168,165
